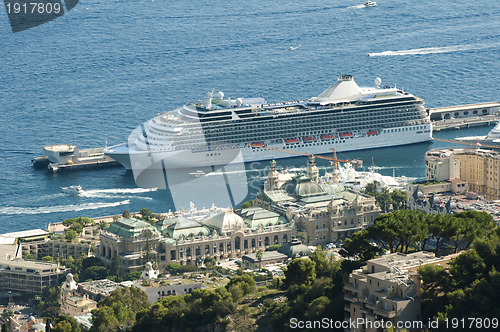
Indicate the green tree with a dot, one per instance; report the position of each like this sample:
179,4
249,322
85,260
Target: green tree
94,273
120,308
372,188
247,205
246,282
324,266
126,214
70,235
384,200
146,214
359,247
47,259
300,272
103,225
4,327
274,247
259,256
7,313
210,262
173,268
67,324
398,199
115,266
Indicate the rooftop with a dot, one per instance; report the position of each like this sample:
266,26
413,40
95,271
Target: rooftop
129,228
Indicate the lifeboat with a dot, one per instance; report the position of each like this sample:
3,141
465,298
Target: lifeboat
257,144
372,133
327,136
345,135
291,140
308,139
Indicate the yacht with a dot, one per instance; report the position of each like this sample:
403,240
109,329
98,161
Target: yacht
72,190
221,130
491,140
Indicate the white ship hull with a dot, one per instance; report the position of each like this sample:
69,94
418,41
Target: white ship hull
131,159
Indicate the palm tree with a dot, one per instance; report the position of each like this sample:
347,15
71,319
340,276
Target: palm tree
259,255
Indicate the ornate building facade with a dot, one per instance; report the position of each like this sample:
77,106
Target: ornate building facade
325,211
188,237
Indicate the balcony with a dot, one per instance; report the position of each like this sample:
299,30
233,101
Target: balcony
348,298
371,305
384,313
351,287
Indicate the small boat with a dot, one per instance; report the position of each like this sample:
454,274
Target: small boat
72,190
198,174
370,3
372,133
308,139
345,135
327,136
257,144
291,140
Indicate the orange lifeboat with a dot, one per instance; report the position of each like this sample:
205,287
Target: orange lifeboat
345,135
257,144
308,139
327,136
291,140
372,133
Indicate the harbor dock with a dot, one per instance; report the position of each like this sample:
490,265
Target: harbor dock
65,157
465,116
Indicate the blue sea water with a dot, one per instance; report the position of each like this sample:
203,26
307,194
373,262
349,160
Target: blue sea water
105,67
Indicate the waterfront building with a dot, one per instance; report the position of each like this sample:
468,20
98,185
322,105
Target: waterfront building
388,288
325,211
480,168
36,242
447,197
188,237
131,240
224,235
29,276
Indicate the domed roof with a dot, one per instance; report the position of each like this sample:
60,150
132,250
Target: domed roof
294,249
226,221
303,187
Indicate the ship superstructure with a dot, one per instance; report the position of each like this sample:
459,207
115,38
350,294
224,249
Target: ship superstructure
345,117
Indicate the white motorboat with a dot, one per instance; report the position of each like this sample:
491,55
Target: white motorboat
72,190
370,4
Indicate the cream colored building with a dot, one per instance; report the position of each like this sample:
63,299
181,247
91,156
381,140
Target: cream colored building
388,288
188,237
325,212
29,276
478,167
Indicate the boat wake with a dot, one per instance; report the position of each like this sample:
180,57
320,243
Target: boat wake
121,191
430,50
11,210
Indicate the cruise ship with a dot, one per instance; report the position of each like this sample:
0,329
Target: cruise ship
220,130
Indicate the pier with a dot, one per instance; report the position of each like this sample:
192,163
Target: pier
465,116
66,157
